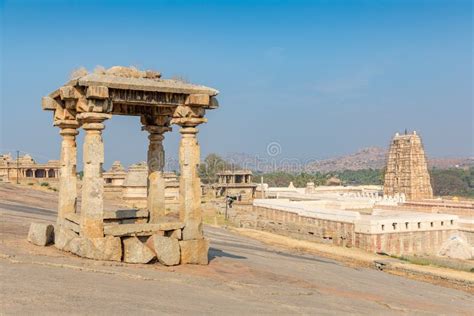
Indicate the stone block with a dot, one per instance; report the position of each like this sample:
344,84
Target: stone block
140,229
198,99
68,93
97,92
101,248
41,234
62,238
194,251
167,249
177,233
192,230
134,251
48,103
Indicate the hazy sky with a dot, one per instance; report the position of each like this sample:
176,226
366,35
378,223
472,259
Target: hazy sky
320,78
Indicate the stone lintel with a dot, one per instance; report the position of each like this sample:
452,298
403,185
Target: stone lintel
140,229
97,92
197,100
68,93
49,104
213,103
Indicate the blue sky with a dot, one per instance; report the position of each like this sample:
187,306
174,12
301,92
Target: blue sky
321,78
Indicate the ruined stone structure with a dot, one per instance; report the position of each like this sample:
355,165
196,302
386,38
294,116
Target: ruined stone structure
131,185
113,180
27,169
236,183
87,101
407,170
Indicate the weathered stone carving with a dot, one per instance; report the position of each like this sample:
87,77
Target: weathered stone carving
407,170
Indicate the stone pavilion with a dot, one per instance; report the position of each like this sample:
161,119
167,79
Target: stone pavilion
88,101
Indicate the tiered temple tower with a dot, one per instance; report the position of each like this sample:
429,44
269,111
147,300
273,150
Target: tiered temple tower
407,170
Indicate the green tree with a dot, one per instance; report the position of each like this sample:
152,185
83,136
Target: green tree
453,182
212,165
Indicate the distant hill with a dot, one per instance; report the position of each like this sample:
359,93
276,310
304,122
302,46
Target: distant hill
376,158
367,158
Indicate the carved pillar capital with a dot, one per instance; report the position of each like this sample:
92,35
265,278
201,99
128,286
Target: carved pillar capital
156,131
188,116
92,120
67,127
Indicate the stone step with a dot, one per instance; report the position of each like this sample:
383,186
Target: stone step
141,229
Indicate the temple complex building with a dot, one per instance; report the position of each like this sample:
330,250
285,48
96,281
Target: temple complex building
407,170
25,168
115,176
130,185
236,183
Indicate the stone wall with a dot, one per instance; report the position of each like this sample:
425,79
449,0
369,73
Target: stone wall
419,243
427,240
293,225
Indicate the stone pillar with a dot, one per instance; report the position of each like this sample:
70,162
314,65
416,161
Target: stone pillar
67,198
156,180
189,182
92,205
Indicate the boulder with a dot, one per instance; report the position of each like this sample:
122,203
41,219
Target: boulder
41,234
102,248
62,238
457,248
134,251
194,251
166,249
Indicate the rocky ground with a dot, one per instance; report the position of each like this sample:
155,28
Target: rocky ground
244,276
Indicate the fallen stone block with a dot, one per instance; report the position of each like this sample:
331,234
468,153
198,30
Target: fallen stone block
134,251
62,238
167,249
194,251
41,234
104,248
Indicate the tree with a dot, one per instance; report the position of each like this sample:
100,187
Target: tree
212,165
452,182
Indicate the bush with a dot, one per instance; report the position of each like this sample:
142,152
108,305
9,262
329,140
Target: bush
44,184
453,182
